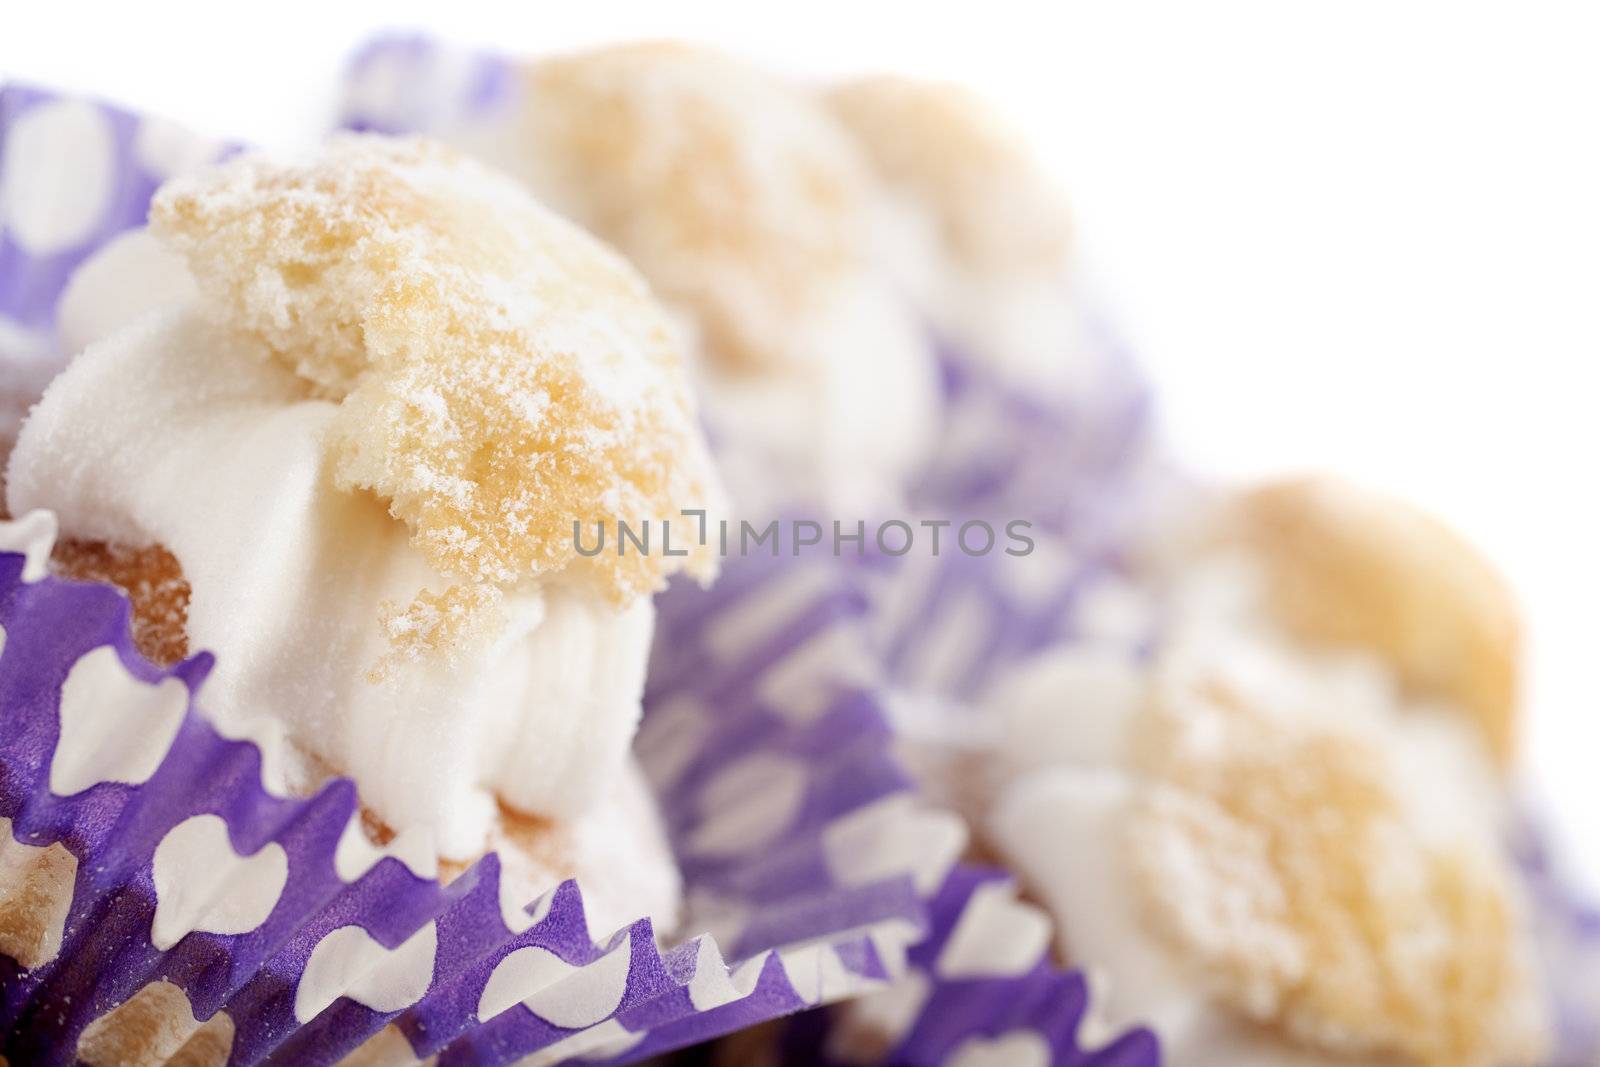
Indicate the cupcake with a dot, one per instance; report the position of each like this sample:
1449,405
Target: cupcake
748,209
340,422
1282,834
348,463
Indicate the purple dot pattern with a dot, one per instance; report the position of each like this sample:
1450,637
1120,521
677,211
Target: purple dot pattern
854,933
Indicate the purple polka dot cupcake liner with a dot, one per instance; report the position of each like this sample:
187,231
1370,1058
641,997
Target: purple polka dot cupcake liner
982,986
1079,466
412,83
77,173
982,990
952,625
152,876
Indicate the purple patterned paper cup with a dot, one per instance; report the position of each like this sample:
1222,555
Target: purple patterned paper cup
982,991
158,904
411,83
1079,463
982,986
150,875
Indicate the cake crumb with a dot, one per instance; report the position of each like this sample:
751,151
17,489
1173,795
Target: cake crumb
154,583
436,624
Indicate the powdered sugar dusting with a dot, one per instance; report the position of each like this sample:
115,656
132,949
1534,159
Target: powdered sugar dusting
500,375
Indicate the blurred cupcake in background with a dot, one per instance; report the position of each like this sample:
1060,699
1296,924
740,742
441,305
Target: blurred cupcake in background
1261,780
1283,834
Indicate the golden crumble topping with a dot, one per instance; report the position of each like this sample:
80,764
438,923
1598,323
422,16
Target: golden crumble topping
736,195
1273,851
500,375
958,158
1348,567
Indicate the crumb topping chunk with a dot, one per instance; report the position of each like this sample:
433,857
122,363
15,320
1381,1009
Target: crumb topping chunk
735,194
1273,850
499,374
1353,568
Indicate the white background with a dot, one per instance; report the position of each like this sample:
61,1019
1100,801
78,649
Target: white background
1356,236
